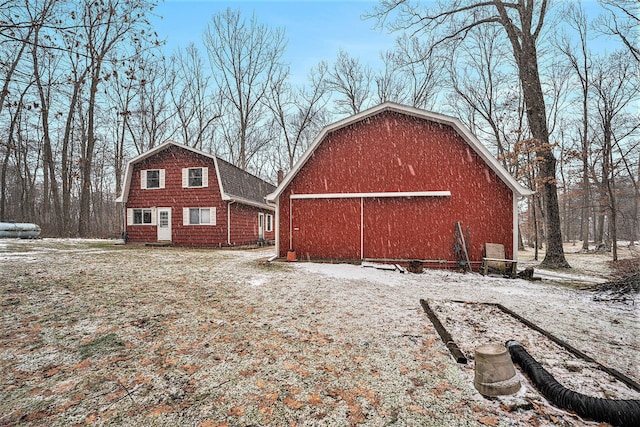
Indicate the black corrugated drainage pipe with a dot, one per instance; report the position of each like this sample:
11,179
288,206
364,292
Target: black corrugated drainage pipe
616,412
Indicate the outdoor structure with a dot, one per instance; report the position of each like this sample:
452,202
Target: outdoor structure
179,195
390,184
19,230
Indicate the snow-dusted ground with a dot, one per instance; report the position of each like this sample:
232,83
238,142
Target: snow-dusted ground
607,332
214,337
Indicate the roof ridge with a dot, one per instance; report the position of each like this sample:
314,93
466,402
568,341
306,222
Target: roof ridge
242,170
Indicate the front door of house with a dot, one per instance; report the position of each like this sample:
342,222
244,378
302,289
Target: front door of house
260,226
164,224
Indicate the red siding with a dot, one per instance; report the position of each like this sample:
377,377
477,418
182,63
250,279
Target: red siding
326,228
392,152
173,160
244,224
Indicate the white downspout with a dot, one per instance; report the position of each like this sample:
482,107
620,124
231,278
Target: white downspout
515,227
361,228
277,226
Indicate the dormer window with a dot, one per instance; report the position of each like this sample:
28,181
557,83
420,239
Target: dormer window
195,177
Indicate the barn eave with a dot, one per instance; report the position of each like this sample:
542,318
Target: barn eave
456,124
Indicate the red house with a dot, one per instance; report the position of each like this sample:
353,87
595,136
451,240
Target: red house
390,183
175,193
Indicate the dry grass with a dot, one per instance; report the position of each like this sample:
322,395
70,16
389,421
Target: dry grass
137,336
99,334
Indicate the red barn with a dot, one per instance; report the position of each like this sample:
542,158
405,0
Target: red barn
175,193
390,183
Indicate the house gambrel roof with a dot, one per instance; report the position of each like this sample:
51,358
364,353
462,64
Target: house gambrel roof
236,185
453,122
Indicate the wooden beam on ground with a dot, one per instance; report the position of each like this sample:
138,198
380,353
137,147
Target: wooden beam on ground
457,354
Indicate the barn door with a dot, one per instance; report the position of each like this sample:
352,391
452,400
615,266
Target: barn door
326,228
164,224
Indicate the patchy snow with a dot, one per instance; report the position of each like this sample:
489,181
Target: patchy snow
208,337
559,276
558,309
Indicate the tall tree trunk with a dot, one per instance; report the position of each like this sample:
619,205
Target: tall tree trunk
67,178
520,241
635,235
586,196
11,144
3,181
523,41
537,119
597,237
604,204
535,231
610,184
87,156
48,167
586,200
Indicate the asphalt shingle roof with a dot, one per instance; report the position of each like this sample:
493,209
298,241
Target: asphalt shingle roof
241,184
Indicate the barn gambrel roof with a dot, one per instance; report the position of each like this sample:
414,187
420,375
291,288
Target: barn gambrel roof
453,122
235,184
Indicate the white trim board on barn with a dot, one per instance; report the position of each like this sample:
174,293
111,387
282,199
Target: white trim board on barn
372,195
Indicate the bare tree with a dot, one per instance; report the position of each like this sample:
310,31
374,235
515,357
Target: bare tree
121,94
616,87
622,19
10,149
149,114
38,19
104,26
298,111
627,155
351,80
580,63
479,78
15,37
422,71
410,75
246,58
196,104
76,75
388,80
522,22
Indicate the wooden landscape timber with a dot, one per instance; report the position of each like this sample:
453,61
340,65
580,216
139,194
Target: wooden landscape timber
457,354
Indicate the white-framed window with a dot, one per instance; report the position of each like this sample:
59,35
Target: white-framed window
199,216
195,177
141,216
269,223
152,178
